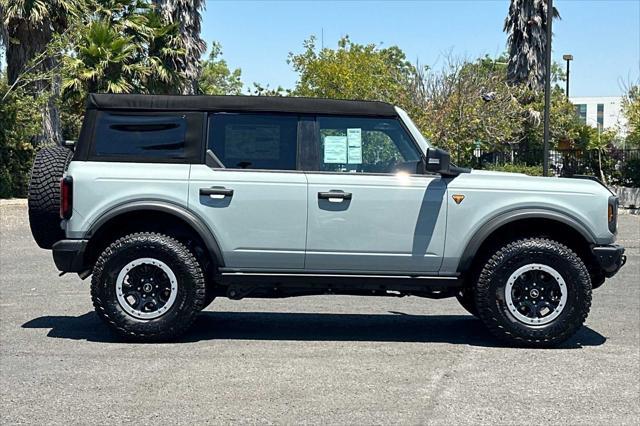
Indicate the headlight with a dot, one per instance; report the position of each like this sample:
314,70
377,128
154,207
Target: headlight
612,214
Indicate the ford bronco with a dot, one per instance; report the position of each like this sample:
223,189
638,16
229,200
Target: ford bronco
171,201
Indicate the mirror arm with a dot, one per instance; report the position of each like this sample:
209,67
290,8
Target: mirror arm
455,171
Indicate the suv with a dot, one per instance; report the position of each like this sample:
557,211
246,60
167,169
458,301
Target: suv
171,201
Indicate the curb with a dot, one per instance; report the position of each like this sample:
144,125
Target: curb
13,202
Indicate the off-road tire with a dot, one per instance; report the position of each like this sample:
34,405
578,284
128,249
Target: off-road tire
490,292
190,297
44,194
467,301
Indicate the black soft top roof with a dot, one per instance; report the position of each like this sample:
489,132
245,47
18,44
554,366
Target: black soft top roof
239,103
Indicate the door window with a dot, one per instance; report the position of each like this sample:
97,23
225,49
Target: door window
366,145
254,141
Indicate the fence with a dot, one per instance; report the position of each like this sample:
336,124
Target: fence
617,165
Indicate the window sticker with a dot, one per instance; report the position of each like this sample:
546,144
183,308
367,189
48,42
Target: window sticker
354,145
335,149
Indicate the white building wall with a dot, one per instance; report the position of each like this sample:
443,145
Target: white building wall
613,117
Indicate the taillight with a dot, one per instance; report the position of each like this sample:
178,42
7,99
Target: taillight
66,197
612,214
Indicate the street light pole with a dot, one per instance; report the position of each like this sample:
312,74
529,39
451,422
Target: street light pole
547,89
567,58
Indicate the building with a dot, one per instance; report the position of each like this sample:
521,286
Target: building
604,112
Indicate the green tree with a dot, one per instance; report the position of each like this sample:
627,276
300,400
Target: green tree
526,25
124,47
19,124
27,28
185,14
631,111
467,105
352,71
216,78
106,61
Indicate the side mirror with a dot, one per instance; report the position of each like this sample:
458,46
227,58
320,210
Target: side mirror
439,161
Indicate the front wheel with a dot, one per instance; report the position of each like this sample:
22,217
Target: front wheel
148,287
534,292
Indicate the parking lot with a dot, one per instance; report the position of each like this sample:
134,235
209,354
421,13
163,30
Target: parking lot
320,359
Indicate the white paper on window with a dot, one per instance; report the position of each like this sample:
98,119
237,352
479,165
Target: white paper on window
335,149
354,146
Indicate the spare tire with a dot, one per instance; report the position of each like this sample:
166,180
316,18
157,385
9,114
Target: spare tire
44,194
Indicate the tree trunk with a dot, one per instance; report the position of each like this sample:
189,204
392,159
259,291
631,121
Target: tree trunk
25,43
600,166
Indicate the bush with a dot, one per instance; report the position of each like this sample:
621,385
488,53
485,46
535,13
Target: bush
516,168
19,123
630,173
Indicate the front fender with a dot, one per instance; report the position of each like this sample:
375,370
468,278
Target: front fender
487,228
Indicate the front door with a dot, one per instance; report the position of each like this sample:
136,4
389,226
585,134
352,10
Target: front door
369,209
256,205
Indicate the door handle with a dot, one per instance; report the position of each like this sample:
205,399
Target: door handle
217,192
334,196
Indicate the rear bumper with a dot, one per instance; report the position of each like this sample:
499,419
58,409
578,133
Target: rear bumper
610,258
68,255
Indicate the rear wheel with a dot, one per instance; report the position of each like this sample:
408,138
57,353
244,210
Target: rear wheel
534,292
148,287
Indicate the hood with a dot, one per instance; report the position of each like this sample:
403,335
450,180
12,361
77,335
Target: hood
501,181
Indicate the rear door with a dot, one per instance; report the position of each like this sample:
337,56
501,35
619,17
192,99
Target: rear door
255,199
369,208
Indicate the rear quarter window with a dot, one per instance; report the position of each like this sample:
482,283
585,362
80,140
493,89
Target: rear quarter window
140,136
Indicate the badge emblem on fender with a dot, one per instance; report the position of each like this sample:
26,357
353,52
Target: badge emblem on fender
457,198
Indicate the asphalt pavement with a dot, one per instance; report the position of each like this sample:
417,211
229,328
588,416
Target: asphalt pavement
319,359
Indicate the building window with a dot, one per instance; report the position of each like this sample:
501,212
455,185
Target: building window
581,110
600,116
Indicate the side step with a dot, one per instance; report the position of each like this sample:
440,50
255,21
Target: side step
273,285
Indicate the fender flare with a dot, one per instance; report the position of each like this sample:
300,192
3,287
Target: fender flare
193,220
502,219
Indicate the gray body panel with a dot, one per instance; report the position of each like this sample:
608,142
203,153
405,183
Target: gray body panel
263,225
392,224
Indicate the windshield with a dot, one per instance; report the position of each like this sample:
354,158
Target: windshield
413,129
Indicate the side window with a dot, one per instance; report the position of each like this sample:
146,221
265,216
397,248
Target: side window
254,141
366,145
148,136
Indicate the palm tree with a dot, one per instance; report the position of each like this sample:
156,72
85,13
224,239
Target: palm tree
526,25
106,61
27,27
186,14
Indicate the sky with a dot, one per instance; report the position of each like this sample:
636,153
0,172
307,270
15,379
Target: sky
257,36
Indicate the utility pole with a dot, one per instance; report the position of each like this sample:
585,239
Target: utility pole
567,58
547,89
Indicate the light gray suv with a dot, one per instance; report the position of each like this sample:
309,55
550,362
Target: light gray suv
172,201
